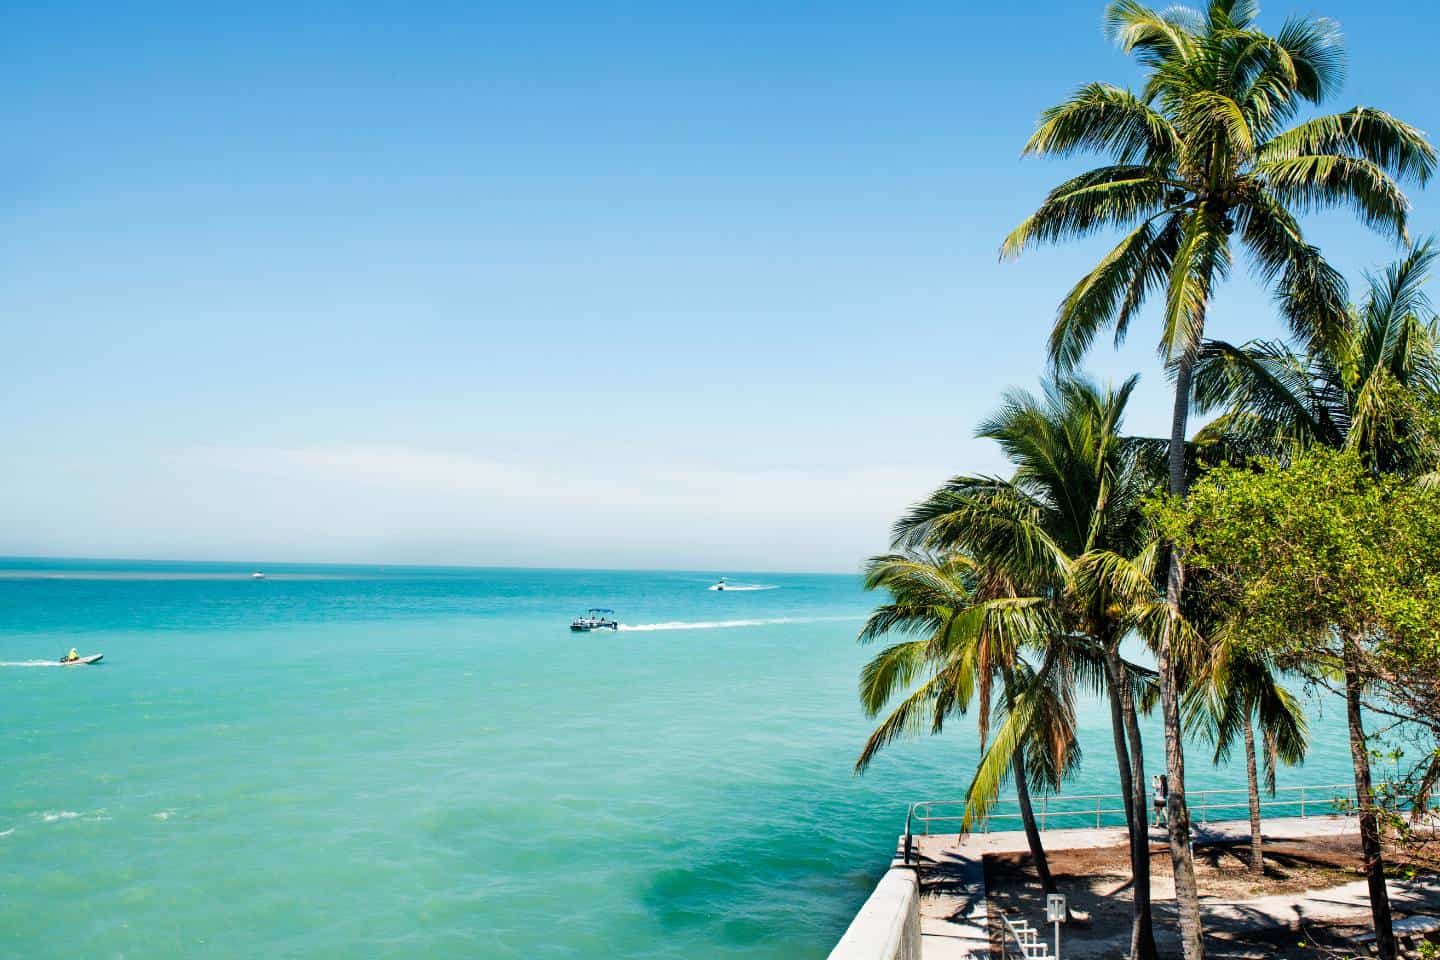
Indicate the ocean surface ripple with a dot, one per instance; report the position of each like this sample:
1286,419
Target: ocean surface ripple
370,762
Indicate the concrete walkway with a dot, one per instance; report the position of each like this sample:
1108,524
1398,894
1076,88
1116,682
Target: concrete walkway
954,921
1345,902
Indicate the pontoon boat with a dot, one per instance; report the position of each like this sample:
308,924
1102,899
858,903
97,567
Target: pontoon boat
596,618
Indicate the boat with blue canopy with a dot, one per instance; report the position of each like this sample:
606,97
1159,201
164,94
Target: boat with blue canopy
596,618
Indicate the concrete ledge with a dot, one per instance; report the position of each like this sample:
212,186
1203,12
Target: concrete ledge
888,925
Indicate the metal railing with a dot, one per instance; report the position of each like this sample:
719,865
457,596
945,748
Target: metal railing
1027,938
1107,809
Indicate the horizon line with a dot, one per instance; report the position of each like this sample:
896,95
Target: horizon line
260,564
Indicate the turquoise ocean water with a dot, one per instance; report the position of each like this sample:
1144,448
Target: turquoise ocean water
365,762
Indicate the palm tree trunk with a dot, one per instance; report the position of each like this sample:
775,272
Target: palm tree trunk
1257,852
1122,754
1177,815
1140,802
1027,816
1365,800
1142,930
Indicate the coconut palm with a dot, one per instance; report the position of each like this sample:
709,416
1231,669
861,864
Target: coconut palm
1239,690
1199,161
1374,389
1067,526
971,631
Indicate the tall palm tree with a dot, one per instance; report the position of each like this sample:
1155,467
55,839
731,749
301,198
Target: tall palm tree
971,631
1202,158
1374,389
1238,691
1075,497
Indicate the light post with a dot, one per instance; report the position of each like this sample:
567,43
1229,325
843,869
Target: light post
1055,913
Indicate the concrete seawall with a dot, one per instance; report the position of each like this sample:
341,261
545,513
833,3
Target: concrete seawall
888,925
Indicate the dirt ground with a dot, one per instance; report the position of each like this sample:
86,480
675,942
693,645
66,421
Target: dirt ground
1097,885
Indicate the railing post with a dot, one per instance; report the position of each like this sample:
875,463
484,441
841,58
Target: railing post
1044,812
1204,806
1097,813
1302,802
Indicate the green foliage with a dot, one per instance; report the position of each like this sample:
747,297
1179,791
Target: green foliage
1200,159
1236,686
970,632
1011,592
1293,553
1372,389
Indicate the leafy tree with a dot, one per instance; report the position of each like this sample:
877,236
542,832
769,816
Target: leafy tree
1325,566
1199,161
1373,390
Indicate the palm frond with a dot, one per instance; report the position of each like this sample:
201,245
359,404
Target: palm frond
994,522
1216,122
893,669
1114,290
1362,133
1318,181
1115,196
1270,383
1317,52
1311,294
1038,724
1155,38
1103,118
1203,259
924,710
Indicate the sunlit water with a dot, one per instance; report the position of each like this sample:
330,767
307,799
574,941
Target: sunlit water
356,762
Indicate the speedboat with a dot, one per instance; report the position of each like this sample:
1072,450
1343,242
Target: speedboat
596,618
93,658
257,575
720,585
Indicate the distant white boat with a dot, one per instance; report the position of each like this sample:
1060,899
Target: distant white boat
727,584
257,575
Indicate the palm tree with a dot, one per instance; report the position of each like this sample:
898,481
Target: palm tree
971,630
1199,159
1072,505
1240,690
1372,389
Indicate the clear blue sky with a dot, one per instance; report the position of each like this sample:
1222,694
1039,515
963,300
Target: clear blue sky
642,284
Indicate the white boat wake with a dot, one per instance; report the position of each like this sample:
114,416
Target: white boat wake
744,587
727,624
31,663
